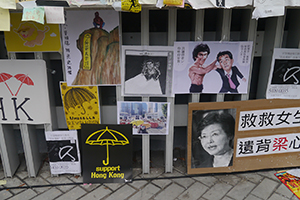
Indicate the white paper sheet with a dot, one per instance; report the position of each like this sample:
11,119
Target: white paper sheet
268,8
54,15
230,3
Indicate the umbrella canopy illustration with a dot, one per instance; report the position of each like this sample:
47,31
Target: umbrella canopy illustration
290,73
24,79
4,77
77,96
107,137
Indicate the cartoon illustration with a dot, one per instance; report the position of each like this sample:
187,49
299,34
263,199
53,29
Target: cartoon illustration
107,137
4,77
32,36
98,21
291,73
21,77
76,97
24,79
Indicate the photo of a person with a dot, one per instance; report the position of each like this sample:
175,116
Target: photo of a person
213,138
146,80
228,73
198,70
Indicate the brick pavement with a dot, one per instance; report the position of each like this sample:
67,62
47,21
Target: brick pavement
249,186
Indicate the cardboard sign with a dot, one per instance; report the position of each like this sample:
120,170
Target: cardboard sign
146,117
106,153
63,151
211,67
24,92
81,105
243,135
31,36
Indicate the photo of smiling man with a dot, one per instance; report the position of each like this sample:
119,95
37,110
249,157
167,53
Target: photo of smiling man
213,138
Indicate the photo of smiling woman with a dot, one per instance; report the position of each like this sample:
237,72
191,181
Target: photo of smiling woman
213,138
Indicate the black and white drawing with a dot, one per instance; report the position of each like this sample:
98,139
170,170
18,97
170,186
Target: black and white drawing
63,151
284,78
147,70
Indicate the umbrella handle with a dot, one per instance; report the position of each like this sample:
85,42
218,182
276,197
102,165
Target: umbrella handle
107,156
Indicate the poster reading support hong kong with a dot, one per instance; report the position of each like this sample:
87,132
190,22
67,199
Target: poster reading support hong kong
63,151
243,135
145,117
91,47
106,153
211,67
81,105
29,36
24,92
284,78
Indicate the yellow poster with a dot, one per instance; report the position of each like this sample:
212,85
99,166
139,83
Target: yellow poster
81,105
29,36
131,6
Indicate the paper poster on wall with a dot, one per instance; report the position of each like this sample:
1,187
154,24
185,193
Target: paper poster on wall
63,151
81,105
211,67
147,70
145,117
106,153
284,78
243,135
268,8
91,47
24,92
29,36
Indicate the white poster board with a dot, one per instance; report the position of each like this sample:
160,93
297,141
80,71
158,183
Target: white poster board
284,78
185,80
24,92
63,150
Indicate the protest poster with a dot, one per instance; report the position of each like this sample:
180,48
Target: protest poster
197,70
284,74
243,135
145,117
29,36
106,153
24,94
147,70
81,105
91,47
63,151
290,181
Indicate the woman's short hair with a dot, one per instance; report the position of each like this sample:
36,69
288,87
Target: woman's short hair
225,119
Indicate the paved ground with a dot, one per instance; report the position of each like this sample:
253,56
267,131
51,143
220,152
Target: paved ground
250,185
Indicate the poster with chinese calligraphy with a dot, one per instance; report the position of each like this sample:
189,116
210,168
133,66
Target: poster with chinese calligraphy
29,36
63,151
284,78
211,67
243,135
147,70
145,117
81,105
24,94
106,153
290,181
91,47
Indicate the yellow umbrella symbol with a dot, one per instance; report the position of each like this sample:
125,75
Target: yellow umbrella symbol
107,137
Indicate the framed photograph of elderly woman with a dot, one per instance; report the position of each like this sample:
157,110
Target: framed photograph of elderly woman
211,139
